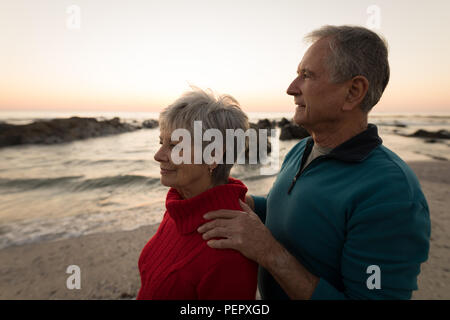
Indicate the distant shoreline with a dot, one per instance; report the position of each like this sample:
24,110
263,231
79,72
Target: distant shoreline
60,130
75,112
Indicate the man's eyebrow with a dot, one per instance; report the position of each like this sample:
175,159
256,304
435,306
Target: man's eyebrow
299,71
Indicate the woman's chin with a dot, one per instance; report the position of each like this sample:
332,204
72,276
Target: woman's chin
166,182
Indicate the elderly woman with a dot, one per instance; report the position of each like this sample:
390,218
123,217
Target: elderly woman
176,263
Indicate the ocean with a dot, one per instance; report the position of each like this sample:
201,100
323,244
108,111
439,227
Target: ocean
111,183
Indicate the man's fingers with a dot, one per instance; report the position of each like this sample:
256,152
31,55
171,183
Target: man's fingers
245,206
224,214
218,232
211,225
221,244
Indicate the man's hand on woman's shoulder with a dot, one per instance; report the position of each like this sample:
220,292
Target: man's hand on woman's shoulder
250,202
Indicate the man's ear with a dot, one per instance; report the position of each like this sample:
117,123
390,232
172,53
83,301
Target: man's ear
356,92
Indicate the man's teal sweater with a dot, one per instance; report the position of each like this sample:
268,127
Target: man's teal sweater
356,207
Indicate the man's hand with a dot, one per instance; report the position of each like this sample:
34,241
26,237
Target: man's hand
244,231
241,230
249,201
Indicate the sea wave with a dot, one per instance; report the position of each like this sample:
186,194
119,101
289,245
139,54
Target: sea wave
52,229
37,183
76,183
119,180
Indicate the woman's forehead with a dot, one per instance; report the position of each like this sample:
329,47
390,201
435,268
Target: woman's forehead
166,130
165,133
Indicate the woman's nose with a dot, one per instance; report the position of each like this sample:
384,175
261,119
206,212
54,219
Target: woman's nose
161,155
293,89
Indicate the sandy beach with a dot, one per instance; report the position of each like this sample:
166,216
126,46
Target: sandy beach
108,261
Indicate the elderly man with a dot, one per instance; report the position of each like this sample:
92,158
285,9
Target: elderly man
346,217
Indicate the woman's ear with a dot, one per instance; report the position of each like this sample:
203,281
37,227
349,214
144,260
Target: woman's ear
356,92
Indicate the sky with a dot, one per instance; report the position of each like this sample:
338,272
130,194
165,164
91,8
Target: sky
98,55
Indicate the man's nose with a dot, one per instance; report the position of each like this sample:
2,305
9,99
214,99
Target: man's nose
293,89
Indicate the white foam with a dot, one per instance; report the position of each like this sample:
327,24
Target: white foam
48,229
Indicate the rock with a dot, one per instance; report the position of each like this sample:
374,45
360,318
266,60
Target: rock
291,131
150,124
283,122
399,124
269,145
115,121
441,134
396,123
265,124
127,296
60,130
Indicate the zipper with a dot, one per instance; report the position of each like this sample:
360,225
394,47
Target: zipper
300,172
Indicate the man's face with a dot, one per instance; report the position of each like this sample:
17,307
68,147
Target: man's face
318,100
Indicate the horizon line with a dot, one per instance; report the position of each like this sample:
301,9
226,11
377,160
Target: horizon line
383,112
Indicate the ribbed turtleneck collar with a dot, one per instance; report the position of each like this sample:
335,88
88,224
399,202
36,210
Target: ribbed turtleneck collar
188,213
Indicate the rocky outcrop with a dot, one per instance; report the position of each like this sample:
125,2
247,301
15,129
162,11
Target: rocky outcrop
441,134
292,131
396,123
266,124
60,130
289,130
150,124
257,127
283,122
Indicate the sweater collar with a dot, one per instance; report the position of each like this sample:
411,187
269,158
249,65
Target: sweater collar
356,149
188,213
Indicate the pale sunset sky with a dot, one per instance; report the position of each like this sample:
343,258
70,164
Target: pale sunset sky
141,55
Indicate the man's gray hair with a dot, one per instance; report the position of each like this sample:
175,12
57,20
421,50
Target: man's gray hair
356,51
220,112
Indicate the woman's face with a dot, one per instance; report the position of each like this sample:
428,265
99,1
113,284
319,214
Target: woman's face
188,179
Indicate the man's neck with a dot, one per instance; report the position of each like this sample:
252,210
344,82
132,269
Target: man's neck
333,136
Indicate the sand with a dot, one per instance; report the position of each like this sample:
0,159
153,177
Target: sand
108,262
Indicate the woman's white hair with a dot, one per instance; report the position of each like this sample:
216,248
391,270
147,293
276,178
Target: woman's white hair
220,112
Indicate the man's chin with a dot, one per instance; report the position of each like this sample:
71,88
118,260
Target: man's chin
299,119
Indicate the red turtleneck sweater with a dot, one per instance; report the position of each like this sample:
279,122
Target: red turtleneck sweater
178,264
